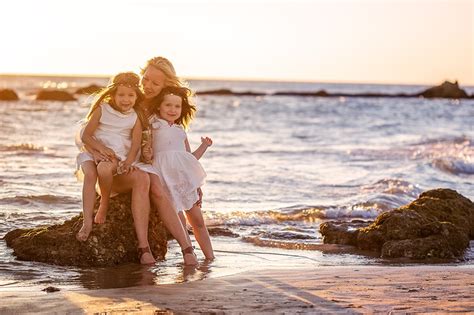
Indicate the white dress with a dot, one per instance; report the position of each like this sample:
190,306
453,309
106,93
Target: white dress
180,171
115,132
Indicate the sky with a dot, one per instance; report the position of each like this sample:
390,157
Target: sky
376,41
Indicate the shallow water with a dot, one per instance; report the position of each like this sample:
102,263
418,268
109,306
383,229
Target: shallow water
279,167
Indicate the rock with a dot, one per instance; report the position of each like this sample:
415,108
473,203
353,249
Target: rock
290,93
445,90
439,224
109,244
90,89
54,95
230,92
8,95
51,289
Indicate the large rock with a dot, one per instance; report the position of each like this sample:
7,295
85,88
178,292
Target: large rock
8,95
90,89
54,95
445,90
112,243
439,224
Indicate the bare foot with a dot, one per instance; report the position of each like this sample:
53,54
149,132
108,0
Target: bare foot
189,257
101,214
145,256
84,232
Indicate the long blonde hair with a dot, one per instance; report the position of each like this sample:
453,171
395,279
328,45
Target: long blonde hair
165,66
128,79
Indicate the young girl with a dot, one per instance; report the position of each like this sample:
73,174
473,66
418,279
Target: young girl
180,170
114,131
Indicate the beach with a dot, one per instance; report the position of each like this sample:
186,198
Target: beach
329,289
280,167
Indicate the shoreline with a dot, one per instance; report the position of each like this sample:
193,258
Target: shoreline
328,289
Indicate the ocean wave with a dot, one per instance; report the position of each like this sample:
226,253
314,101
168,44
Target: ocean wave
28,147
455,166
35,199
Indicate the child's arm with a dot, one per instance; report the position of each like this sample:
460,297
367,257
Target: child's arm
88,136
199,152
135,147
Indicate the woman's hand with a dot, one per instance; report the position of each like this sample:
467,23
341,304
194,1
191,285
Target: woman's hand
98,157
206,141
109,153
199,202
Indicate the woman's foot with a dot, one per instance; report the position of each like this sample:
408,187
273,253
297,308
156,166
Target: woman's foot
101,214
84,232
189,256
145,256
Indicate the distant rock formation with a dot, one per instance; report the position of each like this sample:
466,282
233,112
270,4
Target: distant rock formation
439,224
230,92
90,89
445,90
109,244
8,95
54,95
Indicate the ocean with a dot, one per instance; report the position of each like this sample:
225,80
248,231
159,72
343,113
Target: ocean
278,168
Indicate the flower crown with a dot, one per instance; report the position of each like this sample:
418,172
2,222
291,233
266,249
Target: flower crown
128,79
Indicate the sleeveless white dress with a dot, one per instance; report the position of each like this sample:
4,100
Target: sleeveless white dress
181,172
115,132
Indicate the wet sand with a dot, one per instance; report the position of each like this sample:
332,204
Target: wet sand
351,289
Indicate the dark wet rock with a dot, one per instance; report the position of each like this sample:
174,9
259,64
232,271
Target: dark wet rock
438,224
51,289
341,233
54,95
109,244
445,90
290,93
90,89
230,92
221,231
8,95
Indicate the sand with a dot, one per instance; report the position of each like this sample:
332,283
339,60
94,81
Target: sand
346,290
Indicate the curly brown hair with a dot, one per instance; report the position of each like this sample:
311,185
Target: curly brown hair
188,107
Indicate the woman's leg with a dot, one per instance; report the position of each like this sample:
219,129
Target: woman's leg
88,199
139,183
105,171
170,218
201,234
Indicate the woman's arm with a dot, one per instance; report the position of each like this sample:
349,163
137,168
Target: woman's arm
136,142
206,142
89,139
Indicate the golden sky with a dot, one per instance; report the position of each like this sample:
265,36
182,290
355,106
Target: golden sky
379,41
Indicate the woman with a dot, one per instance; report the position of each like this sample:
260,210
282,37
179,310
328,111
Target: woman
158,73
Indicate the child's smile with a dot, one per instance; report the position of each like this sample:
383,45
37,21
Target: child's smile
170,108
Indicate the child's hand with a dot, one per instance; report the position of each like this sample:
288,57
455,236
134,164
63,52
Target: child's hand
124,167
207,141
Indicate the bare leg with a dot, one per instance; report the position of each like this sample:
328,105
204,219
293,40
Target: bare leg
139,183
201,234
170,217
105,171
88,199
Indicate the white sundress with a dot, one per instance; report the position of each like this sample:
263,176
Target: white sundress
115,132
180,171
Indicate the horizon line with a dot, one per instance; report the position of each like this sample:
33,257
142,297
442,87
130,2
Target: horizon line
210,78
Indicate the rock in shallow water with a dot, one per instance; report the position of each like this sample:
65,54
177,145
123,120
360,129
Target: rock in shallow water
109,244
438,224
